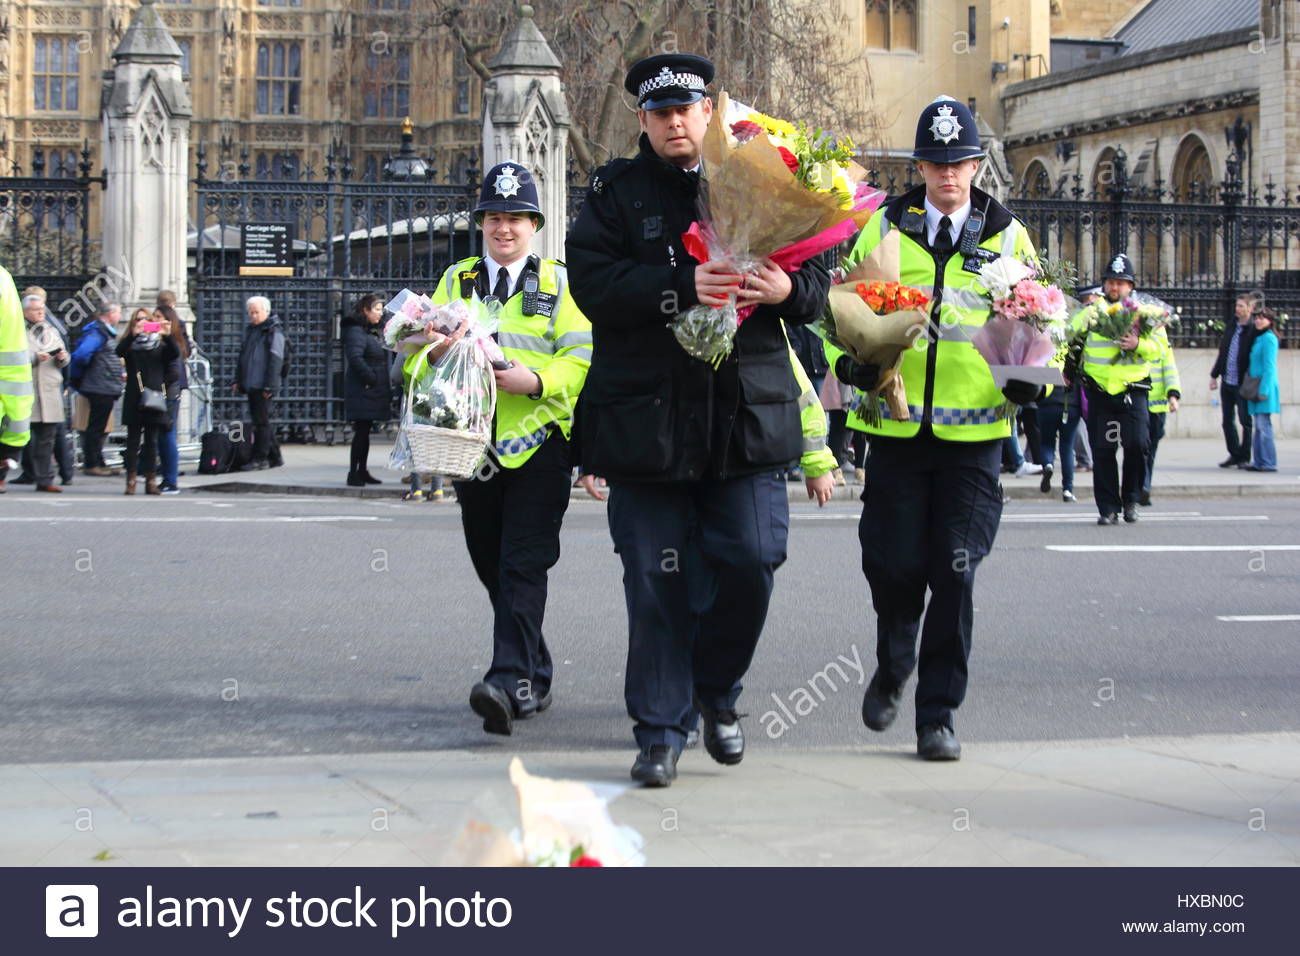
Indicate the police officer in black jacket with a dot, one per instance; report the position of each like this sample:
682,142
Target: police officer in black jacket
693,456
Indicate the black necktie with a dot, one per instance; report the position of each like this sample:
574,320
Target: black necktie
943,238
502,289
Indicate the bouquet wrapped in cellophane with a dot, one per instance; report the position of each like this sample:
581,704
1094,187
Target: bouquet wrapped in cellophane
1138,312
875,327
1027,325
770,190
450,403
552,823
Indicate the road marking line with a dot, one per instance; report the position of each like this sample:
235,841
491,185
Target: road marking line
196,519
1090,519
1259,617
1111,548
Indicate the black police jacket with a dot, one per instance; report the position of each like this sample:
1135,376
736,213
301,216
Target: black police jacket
648,411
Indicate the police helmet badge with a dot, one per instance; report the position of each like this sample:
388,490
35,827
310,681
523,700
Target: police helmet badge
944,126
1118,264
507,184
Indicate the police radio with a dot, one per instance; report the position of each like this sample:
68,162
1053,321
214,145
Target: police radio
530,287
971,232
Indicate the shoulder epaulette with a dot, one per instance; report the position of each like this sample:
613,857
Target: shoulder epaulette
608,173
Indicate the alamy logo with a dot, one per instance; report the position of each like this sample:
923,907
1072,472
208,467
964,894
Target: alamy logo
71,909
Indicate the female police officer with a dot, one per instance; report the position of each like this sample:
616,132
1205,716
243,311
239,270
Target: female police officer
512,509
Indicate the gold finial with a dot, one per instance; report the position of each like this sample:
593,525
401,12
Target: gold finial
407,126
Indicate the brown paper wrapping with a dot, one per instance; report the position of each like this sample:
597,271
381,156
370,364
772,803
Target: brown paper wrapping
754,202
880,340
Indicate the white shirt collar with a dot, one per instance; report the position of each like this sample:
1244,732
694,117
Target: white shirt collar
512,270
933,215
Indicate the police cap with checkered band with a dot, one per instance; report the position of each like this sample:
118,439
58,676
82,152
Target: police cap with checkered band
668,79
946,133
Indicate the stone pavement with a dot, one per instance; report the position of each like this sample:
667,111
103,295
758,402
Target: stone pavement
1186,801
1185,467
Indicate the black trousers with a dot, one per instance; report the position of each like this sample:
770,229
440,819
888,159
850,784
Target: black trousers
92,439
141,448
360,446
1234,410
1156,431
39,454
1118,422
930,513
511,520
259,408
699,561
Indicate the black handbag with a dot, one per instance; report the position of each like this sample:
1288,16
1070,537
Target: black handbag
151,399
1249,388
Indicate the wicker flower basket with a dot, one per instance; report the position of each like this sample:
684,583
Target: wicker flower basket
447,451
444,451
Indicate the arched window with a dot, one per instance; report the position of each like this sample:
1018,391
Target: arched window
1193,176
1193,181
1036,183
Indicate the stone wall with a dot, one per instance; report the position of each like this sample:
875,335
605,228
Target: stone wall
1200,417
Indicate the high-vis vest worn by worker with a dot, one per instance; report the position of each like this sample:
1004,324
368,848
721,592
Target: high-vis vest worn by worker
816,459
1164,376
555,342
948,383
1113,369
16,394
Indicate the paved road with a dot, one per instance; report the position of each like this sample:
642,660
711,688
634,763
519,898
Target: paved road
349,626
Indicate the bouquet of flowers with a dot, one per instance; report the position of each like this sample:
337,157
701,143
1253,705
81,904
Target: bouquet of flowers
417,322
1027,324
554,823
772,190
1140,312
447,417
874,319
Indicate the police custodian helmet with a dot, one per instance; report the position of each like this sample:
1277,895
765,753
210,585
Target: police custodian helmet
946,133
1120,267
509,187
668,79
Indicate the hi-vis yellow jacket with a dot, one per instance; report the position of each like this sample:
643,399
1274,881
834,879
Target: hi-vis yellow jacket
16,394
555,343
1164,377
1113,369
816,459
949,386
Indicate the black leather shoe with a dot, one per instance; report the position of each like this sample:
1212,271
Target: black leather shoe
370,479
492,704
355,479
878,707
1045,485
655,766
1229,462
1144,498
937,742
24,480
1130,514
532,705
723,739
1108,518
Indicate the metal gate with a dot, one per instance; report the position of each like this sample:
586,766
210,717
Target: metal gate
45,230
349,239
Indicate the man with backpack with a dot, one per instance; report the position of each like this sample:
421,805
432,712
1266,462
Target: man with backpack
96,372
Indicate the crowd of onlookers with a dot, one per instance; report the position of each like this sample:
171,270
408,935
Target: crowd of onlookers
79,387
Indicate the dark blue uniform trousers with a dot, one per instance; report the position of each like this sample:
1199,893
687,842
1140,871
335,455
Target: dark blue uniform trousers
1118,422
512,529
699,560
930,513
